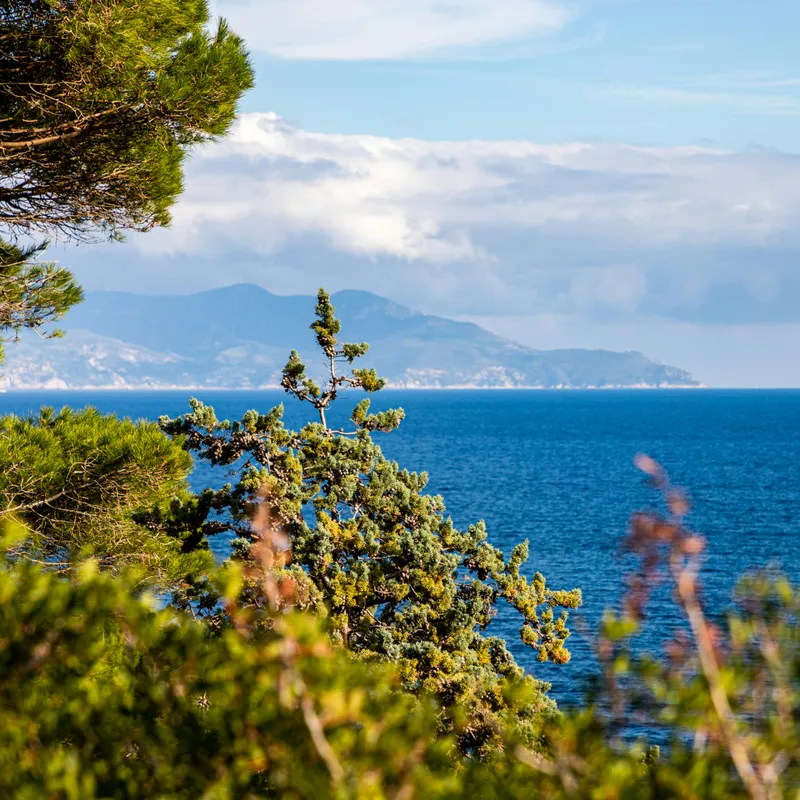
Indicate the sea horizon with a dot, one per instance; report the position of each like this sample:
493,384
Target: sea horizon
396,388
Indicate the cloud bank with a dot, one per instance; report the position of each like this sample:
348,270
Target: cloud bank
356,30
510,227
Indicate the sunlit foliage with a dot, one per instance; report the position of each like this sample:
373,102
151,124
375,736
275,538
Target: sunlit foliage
378,556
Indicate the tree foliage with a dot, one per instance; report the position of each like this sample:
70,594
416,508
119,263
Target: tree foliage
376,555
99,104
33,294
101,696
398,693
83,480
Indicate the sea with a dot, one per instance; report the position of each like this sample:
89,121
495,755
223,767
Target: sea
557,468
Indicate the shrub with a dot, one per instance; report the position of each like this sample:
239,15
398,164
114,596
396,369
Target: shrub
84,480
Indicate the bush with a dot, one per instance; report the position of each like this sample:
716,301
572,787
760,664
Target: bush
104,697
81,480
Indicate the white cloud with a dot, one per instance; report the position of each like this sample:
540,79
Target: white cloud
423,200
387,29
603,229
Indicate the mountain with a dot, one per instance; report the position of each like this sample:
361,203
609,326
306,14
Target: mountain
240,337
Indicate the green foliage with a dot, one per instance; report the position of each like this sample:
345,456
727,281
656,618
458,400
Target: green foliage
101,102
82,480
377,556
101,696
33,294
713,726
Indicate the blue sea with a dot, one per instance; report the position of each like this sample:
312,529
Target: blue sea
556,468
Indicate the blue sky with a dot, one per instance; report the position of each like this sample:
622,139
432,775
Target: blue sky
616,174
652,72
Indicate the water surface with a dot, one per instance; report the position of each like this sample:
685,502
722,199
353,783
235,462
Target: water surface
556,468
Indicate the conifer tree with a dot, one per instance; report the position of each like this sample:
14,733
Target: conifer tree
33,294
85,481
377,555
99,104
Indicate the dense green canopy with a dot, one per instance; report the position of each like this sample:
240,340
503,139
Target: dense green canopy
100,696
81,480
100,102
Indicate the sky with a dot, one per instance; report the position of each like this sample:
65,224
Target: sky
619,174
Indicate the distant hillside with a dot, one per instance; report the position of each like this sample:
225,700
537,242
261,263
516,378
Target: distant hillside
240,337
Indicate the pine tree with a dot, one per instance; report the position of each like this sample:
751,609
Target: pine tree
33,294
84,481
375,554
99,104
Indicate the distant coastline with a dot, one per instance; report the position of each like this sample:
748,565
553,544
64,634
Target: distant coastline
396,387
119,341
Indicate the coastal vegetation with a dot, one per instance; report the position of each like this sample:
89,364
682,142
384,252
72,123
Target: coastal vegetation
82,480
342,650
100,104
106,696
33,294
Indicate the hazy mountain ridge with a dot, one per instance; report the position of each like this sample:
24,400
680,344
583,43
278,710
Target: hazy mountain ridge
239,337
